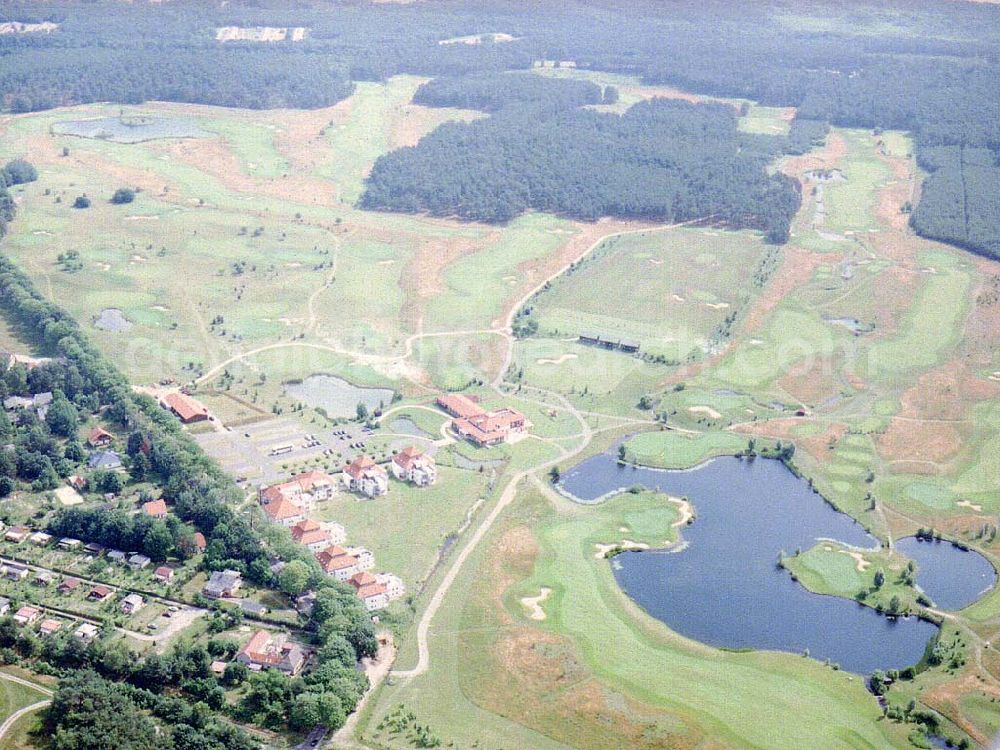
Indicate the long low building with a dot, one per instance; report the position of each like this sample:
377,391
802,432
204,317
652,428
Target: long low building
266,651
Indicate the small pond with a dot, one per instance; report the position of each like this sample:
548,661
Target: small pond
952,577
112,319
406,426
336,396
723,586
131,129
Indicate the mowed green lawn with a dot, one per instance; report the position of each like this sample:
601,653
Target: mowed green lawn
13,697
675,450
670,290
406,527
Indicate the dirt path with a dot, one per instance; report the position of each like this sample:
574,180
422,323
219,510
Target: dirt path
13,718
376,669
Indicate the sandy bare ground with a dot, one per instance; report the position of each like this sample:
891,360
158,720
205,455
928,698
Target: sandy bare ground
706,410
860,563
533,604
260,34
556,361
602,550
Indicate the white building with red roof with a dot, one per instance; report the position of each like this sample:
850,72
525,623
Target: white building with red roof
414,466
284,512
317,536
394,587
186,409
492,427
337,562
266,651
304,489
365,476
155,508
370,591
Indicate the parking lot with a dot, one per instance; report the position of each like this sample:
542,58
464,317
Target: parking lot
264,452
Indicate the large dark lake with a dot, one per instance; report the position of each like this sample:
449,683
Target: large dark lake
724,588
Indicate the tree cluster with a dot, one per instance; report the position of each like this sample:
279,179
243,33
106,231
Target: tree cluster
663,160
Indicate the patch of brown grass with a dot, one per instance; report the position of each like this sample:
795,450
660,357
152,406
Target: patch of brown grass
817,446
797,268
947,696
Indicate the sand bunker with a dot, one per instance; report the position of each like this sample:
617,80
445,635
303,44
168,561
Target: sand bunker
678,298
385,262
557,361
970,505
686,510
625,544
139,217
533,604
708,410
717,305
861,563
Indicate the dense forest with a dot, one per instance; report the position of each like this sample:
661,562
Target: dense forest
928,66
494,92
663,160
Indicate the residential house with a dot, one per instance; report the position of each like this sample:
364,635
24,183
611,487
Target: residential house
199,541
116,555
222,583
44,578
99,593
155,508
15,571
284,512
132,604
304,603
266,651
40,538
12,403
370,591
414,466
99,438
187,409
68,585
86,632
365,476
336,562
366,560
394,587
49,626
93,548
69,544
218,668
164,574
17,534
138,562
4,606
106,460
312,535
77,482
304,489
27,615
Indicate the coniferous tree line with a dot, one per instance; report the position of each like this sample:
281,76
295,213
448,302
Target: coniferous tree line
937,76
663,160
